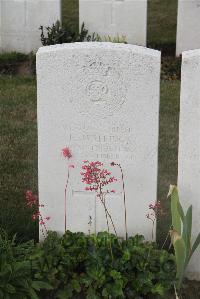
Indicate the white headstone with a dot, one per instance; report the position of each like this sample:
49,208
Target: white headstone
20,21
115,17
101,100
189,146
188,24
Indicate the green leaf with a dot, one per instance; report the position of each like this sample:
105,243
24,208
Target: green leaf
180,255
91,294
187,230
195,245
115,274
33,294
62,294
176,219
181,212
158,289
38,285
76,285
10,289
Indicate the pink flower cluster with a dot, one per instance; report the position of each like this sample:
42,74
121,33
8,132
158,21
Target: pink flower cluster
155,207
156,211
33,202
66,153
96,176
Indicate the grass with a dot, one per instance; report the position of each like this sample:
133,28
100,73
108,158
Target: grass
18,150
161,27
168,148
13,57
70,13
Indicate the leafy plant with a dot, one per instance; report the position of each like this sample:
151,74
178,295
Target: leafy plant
59,35
79,264
181,235
16,272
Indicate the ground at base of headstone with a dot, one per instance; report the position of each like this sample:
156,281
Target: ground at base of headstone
15,63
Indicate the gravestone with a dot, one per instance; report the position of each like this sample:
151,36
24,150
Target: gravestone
102,101
189,146
115,17
188,23
20,21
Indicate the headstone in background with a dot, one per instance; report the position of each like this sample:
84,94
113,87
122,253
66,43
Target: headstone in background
188,24
189,146
20,22
115,17
101,100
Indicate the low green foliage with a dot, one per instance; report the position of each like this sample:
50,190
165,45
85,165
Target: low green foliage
181,234
92,266
58,34
79,264
16,281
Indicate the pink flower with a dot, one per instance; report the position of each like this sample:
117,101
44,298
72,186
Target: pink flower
33,202
66,152
31,199
155,206
96,176
34,217
156,210
112,191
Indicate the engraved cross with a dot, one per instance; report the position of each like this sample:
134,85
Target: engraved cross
89,207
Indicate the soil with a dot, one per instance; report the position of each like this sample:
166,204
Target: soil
18,68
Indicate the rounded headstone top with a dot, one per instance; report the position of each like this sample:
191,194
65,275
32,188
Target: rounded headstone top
191,53
100,45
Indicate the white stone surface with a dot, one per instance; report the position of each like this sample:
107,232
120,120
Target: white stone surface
116,17
189,146
188,24
20,21
101,100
